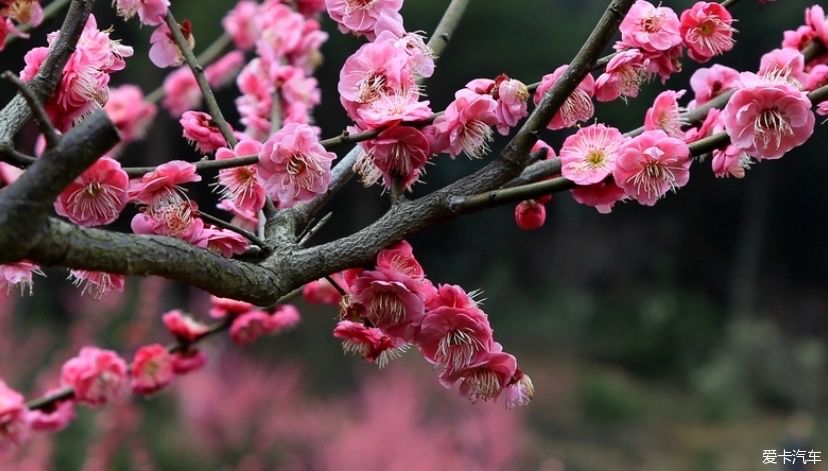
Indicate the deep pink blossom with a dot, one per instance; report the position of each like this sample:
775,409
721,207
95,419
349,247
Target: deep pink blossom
97,376
625,73
710,123
665,63
708,83
18,274
248,327
241,24
768,119
707,30
400,152
393,301
224,307
242,184
650,165
151,369
730,162
651,28
400,258
97,196
129,112
372,344
467,123
665,114
578,105
294,166
14,421
322,291
484,379
54,417
817,77
602,196
177,220
183,327
822,109
97,284
151,12
161,186
187,361
200,130
530,215
589,155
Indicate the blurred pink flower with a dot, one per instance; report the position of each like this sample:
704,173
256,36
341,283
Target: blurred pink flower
97,376
151,369
14,421
129,112
150,12
18,274
182,326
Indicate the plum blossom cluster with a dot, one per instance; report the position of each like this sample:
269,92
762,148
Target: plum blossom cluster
97,377
18,12
387,310
84,85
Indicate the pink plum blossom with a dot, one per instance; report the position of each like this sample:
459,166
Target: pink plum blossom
200,130
150,12
399,152
372,344
54,417
486,378
248,327
22,11
650,165
589,155
164,51
520,390
707,30
785,66
400,258
730,162
294,166
322,291
602,196
625,73
151,369
224,69
181,92
224,242
14,420
708,83
578,105
188,360
466,123
97,376
242,184
816,20
18,274
244,218
285,317
96,283
651,28
393,301
665,114
360,16
530,215
768,119
374,70
97,196
241,24
183,327
224,307
161,186
129,112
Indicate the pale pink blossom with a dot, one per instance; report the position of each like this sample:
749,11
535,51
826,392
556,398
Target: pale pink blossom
650,165
625,73
785,66
511,96
151,369
467,123
530,214
665,114
710,123
816,20
181,92
183,327
294,166
374,70
708,83
129,112
150,12
242,184
199,129
224,69
767,120
602,196
161,187
799,38
520,390
360,16
589,155
97,376
55,417
97,196
578,105
392,108
420,56
19,275
485,379
164,51
241,24
651,28
14,420
707,30
400,152
97,284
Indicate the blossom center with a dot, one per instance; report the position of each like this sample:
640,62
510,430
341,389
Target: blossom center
772,125
387,309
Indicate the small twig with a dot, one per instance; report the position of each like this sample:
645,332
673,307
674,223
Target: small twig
336,285
232,227
313,229
44,123
397,191
198,71
202,165
11,156
276,111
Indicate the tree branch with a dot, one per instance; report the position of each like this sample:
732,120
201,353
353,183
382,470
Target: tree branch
44,123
